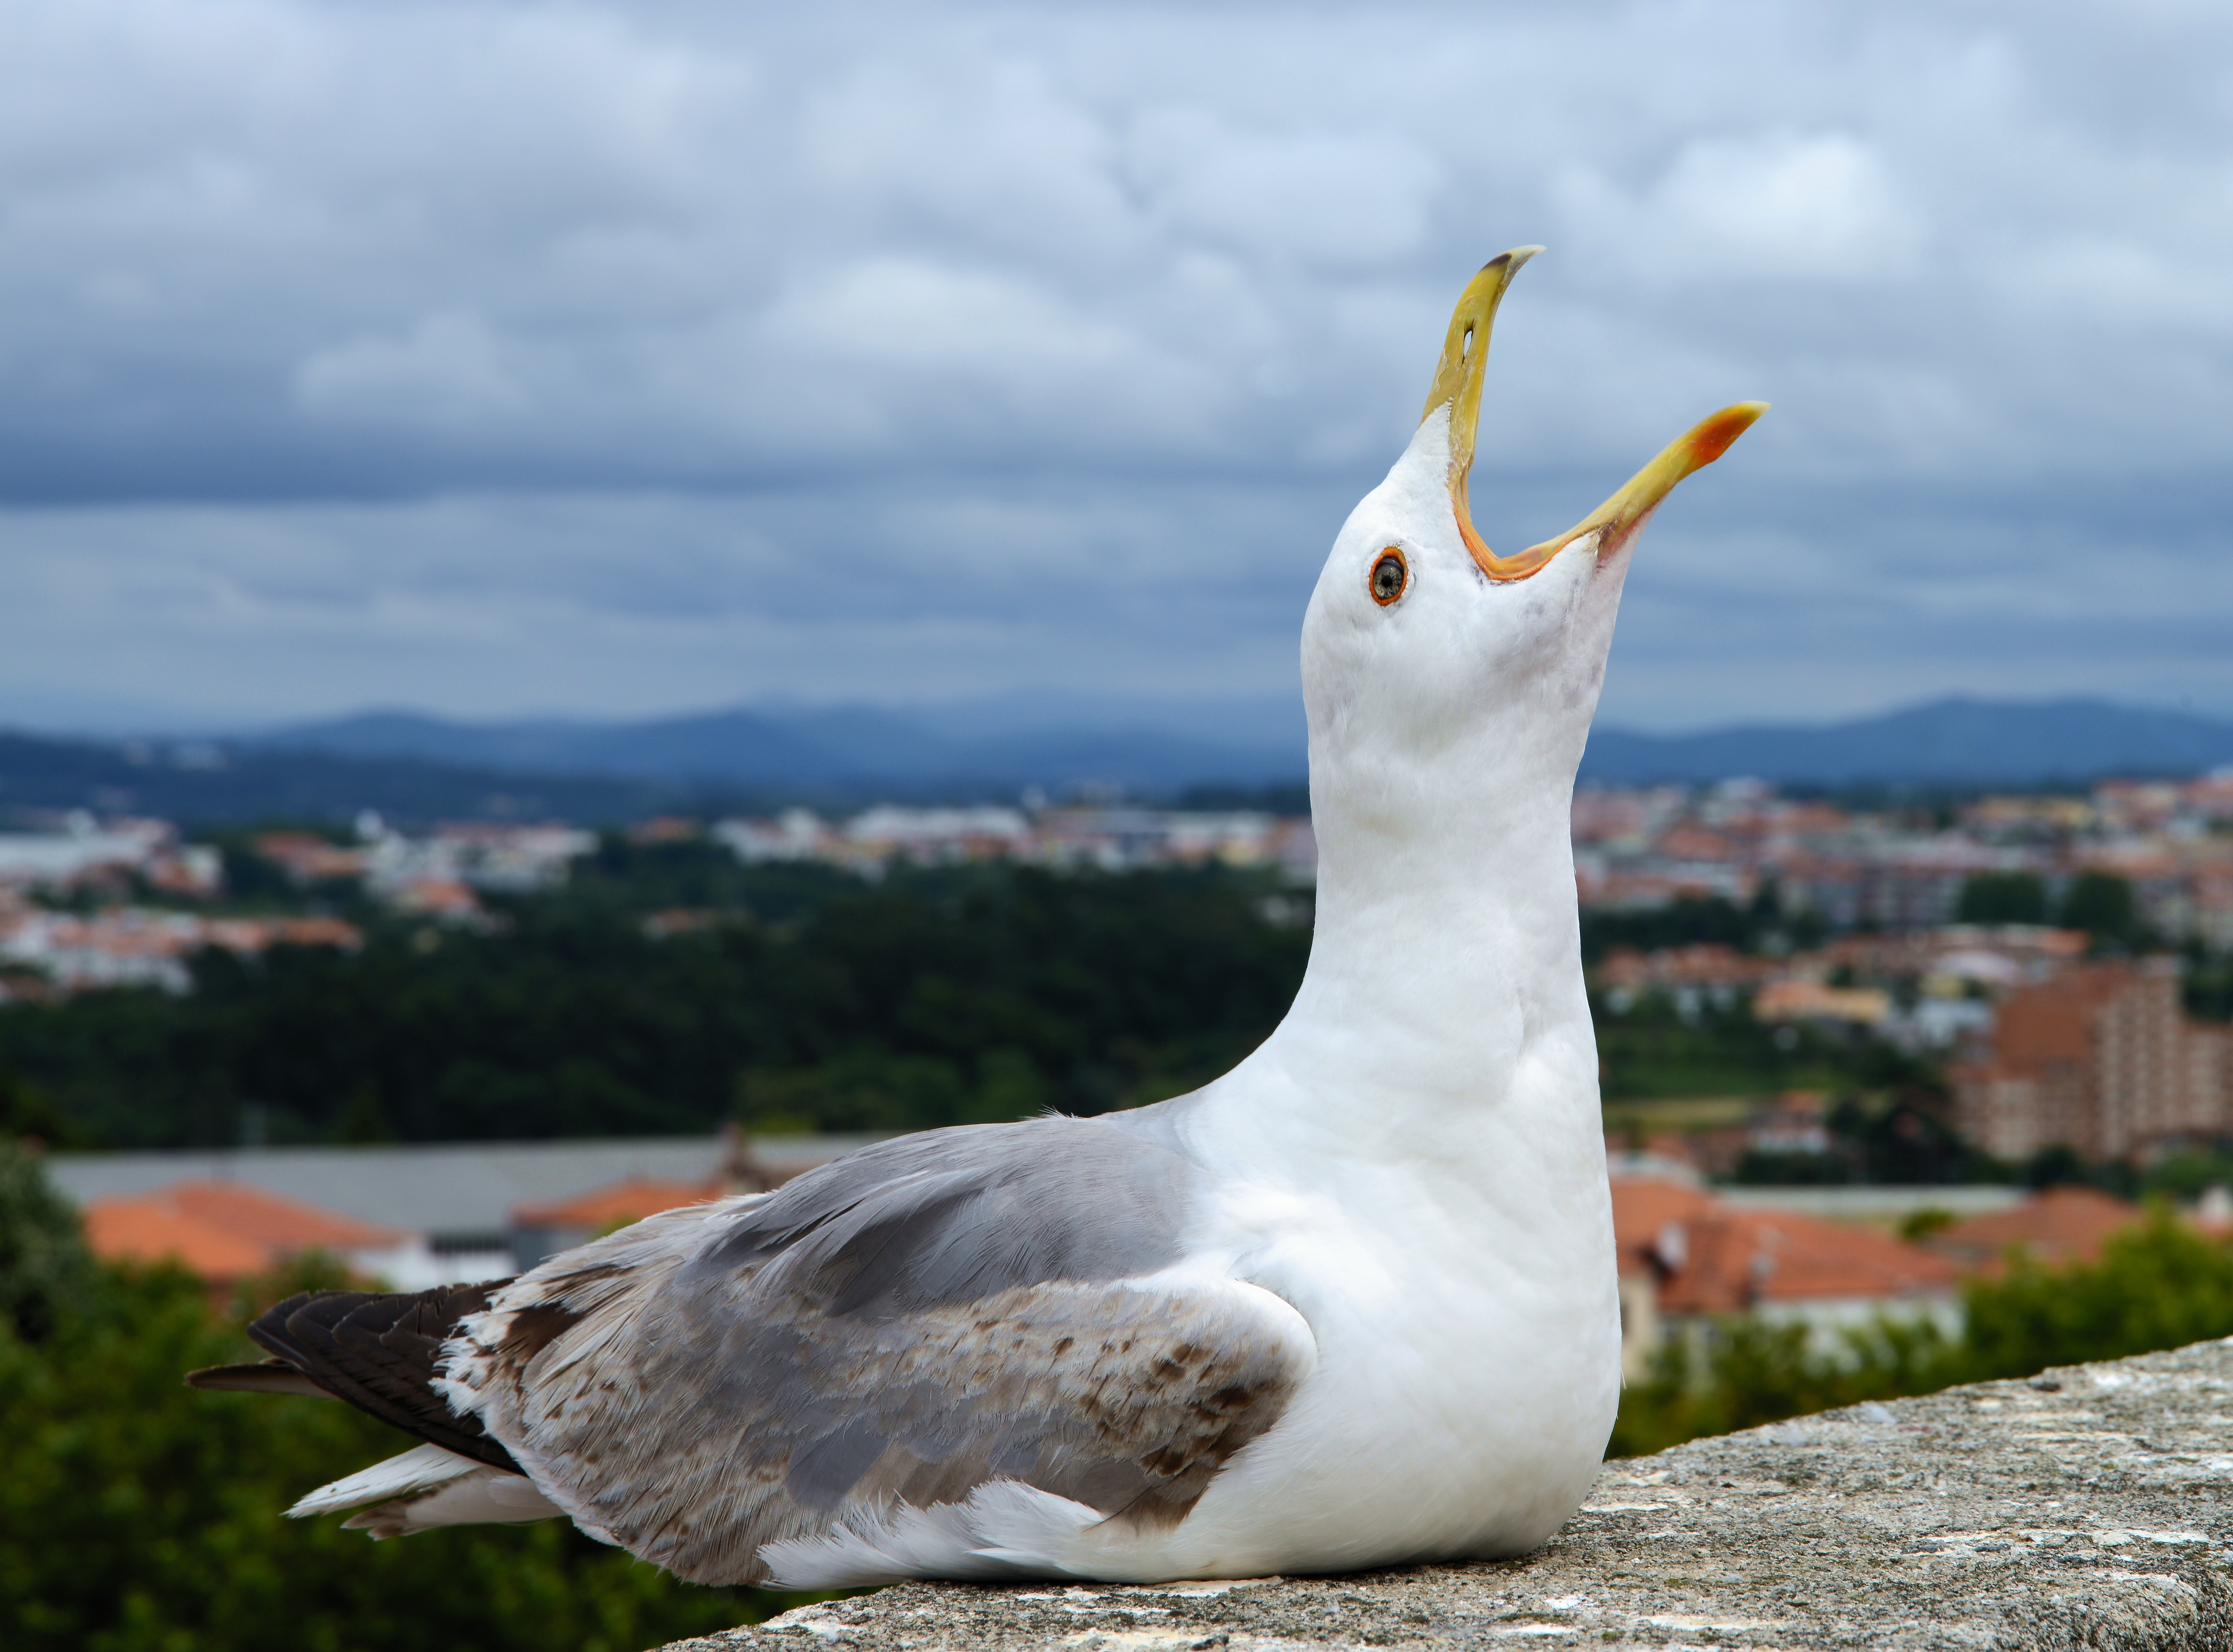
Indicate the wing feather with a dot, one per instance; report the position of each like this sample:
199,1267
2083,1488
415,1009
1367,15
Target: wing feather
1010,1303
379,1351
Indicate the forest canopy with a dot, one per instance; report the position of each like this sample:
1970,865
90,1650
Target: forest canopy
794,997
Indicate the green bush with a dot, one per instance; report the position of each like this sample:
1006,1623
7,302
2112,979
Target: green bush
2102,905
1753,1371
2002,898
2157,1284
138,1513
43,1263
884,1005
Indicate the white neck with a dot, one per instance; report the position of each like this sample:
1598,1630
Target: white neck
1443,1011
1435,964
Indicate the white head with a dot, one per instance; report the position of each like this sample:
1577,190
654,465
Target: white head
1450,689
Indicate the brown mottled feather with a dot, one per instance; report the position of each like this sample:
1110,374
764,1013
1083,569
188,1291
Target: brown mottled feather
954,1308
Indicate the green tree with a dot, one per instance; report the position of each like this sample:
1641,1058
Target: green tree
363,1122
2186,1175
574,1020
43,1262
2158,1285
2002,898
136,1512
1009,1086
26,1113
1743,1371
867,1091
2101,904
1687,921
2207,981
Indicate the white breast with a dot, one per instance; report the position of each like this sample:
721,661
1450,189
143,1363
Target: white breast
1466,1313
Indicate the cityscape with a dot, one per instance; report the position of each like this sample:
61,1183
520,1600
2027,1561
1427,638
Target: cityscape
669,680
1945,931
2022,961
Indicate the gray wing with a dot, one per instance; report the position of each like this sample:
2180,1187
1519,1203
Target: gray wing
909,1323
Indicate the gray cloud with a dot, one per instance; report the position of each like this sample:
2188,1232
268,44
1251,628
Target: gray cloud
495,357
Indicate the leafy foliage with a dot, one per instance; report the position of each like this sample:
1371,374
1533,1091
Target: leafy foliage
2208,983
2002,898
1753,1371
1691,919
1901,1138
27,1115
43,1262
2186,1175
2158,1284
1657,1047
2102,905
932,998
138,1512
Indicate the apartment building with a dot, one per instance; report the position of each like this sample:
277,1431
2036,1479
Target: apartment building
2102,1058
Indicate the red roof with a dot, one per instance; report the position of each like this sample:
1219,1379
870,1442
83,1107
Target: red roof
2054,1228
145,1230
620,1203
1713,1258
1643,1208
269,1218
222,1230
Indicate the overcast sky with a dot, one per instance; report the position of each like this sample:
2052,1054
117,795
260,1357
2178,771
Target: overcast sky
503,358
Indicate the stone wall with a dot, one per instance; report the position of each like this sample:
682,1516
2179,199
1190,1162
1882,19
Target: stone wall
2088,1507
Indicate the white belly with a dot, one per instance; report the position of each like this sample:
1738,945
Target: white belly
1469,1369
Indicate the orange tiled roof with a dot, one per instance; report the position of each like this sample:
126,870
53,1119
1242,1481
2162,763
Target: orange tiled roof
267,1218
1798,1000
2057,1227
222,1230
623,1201
1713,1258
437,897
1643,1208
150,1230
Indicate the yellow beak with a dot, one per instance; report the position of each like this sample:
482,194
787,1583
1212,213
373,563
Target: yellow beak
1457,386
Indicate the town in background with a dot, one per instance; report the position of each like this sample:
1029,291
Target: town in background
1854,1047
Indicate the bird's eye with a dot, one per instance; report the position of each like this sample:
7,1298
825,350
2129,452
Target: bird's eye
1390,575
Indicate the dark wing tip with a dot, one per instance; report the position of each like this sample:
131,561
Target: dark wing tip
267,1376
381,1351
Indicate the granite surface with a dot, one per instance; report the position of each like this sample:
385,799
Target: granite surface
2088,1507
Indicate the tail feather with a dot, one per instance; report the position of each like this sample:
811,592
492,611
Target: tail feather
382,1352
420,1469
483,1498
269,1377
423,1487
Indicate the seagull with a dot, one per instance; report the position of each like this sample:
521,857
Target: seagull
1351,1305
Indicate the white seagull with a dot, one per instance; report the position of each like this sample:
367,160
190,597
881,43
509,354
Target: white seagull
1351,1305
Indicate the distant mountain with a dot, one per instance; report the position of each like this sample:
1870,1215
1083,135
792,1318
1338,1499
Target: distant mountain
1148,747
1956,741
414,768
995,744
207,783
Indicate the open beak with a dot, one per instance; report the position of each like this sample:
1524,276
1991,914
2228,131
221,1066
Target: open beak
1457,386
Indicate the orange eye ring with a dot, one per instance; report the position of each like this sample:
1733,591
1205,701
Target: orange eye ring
1389,578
